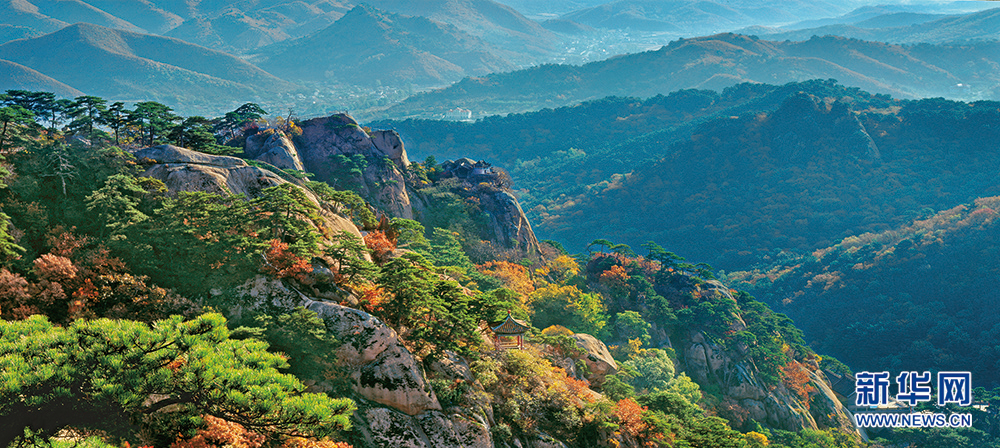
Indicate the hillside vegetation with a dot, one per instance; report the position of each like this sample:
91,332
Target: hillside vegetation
903,28
181,308
924,290
854,208
723,60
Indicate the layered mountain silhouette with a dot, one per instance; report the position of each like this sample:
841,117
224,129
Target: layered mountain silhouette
719,61
244,26
241,31
124,65
491,21
17,76
50,15
905,28
369,46
700,16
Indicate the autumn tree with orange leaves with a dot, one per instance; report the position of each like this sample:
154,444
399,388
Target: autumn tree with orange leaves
795,377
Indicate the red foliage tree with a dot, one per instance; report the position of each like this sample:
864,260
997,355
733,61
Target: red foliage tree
54,268
628,414
219,433
379,244
284,264
796,378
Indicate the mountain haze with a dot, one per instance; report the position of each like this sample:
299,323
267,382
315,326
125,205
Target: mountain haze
124,65
19,77
242,31
716,62
700,17
908,28
491,21
368,46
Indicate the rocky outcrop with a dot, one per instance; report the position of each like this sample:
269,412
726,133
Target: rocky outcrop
381,179
598,358
382,372
508,222
274,148
505,224
186,170
382,369
375,166
384,427
745,396
170,154
391,145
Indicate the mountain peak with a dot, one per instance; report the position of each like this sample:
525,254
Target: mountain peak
96,35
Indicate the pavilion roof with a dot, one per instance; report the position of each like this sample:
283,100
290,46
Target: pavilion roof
509,326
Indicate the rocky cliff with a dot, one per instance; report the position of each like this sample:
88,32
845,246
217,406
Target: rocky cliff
186,170
337,150
373,165
396,405
507,220
731,369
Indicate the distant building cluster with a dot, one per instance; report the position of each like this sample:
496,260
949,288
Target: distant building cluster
468,169
458,114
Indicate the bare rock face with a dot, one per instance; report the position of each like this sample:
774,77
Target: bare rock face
186,170
453,367
386,428
275,148
382,178
828,411
176,154
599,360
508,221
382,369
383,372
392,146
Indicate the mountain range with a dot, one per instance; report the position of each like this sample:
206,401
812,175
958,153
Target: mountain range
243,26
700,17
372,47
904,28
125,65
719,61
829,203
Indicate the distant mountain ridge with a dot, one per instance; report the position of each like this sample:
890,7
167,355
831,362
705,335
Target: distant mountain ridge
700,17
243,26
124,65
909,29
369,46
18,77
719,61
